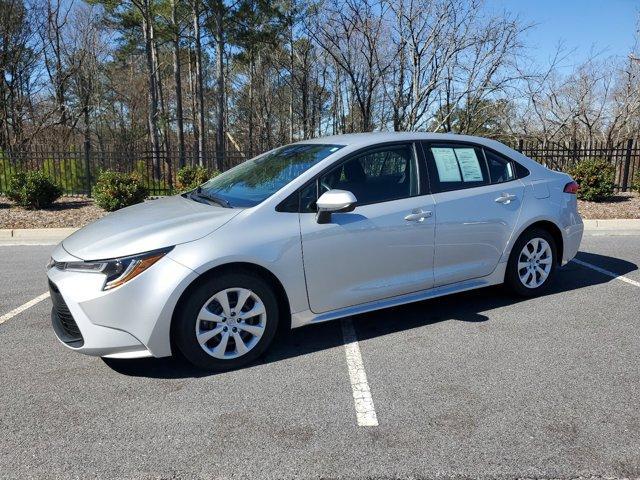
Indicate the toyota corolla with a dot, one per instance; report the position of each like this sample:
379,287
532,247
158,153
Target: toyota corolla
306,233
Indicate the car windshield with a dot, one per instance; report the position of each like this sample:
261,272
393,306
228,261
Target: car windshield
255,180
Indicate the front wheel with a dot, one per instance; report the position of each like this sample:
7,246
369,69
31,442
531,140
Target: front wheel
227,322
532,264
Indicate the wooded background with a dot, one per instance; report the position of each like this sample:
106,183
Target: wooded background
207,80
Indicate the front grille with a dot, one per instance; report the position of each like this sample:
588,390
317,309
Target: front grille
63,323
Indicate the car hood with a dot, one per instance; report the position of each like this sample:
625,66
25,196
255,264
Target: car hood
147,226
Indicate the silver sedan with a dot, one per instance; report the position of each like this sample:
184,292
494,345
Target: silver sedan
307,233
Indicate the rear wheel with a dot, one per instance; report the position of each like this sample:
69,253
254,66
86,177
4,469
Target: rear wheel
532,264
227,322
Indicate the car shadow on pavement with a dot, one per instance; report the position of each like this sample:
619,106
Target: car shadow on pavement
474,306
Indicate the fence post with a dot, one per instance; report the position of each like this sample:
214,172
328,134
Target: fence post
520,145
627,164
87,166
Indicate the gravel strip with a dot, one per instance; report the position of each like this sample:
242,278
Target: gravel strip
79,211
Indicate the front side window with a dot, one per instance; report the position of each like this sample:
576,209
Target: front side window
379,175
255,180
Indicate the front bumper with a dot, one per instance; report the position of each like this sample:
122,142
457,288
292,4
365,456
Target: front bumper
130,321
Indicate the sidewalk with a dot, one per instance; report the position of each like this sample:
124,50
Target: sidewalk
51,236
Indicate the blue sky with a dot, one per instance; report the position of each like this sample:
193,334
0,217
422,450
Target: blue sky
606,26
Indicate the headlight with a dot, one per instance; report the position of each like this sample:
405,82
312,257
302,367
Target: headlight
118,270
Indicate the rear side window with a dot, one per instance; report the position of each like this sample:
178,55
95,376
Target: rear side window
454,167
500,169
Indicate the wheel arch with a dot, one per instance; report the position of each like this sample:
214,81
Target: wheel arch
549,226
284,322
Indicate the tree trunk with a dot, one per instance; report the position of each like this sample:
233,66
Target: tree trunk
152,113
304,87
87,147
161,105
199,82
251,79
291,79
177,79
60,90
194,109
220,47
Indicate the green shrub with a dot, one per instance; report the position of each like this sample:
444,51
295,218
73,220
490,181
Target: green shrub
190,177
596,179
33,189
115,190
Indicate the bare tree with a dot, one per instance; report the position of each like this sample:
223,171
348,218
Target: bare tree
479,70
54,17
428,37
353,36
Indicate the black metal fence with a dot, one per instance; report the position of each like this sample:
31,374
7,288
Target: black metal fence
624,156
76,170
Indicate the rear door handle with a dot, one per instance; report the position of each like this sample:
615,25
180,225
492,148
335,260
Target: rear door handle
418,215
505,198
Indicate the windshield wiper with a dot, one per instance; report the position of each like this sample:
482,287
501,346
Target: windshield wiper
220,201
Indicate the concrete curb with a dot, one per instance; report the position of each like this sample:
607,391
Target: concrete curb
49,235
613,224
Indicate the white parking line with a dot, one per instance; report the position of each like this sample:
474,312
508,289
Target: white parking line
22,308
365,411
622,278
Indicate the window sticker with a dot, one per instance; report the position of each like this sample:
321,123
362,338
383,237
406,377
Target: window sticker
446,164
469,164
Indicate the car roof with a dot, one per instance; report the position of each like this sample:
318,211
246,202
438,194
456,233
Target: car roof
363,139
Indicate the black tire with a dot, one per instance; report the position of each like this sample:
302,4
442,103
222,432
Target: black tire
185,328
512,275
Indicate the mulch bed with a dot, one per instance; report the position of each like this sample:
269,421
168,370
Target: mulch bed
65,212
79,211
622,205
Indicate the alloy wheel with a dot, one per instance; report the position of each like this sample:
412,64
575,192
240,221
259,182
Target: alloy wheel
535,262
231,323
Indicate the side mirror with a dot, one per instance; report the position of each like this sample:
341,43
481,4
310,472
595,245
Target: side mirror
334,201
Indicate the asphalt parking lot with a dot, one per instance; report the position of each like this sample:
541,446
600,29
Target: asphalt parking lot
473,385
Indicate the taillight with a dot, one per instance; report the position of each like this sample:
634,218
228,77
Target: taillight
571,187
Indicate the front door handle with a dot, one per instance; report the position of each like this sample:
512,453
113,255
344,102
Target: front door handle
505,198
418,215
